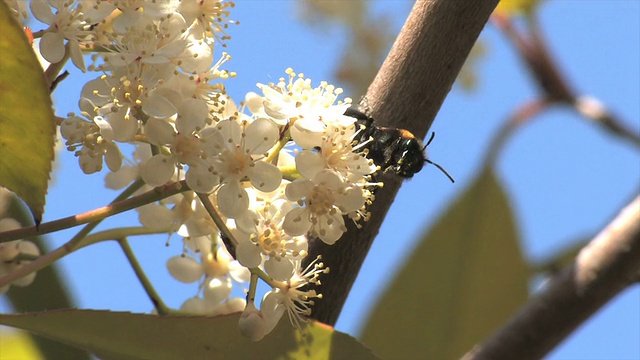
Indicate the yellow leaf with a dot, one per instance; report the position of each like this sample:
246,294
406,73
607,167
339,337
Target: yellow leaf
517,7
17,345
27,126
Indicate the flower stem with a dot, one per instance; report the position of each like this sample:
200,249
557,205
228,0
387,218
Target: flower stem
159,305
227,238
118,233
253,285
257,272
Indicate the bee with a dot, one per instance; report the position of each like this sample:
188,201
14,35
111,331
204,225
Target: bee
392,149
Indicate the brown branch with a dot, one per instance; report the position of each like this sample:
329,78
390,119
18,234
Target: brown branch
605,267
407,92
98,214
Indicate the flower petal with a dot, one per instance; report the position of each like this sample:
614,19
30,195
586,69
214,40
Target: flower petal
272,309
113,157
184,269
124,126
192,115
159,132
351,200
217,290
299,189
157,170
231,131
200,179
261,135
307,133
158,106
155,216
279,269
42,11
194,305
52,47
248,254
264,176
76,55
296,222
309,163
232,200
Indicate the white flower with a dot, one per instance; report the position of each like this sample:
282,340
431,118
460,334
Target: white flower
252,323
335,152
149,42
209,17
128,172
324,200
309,110
214,271
263,241
70,22
95,140
10,253
244,145
137,13
183,213
294,296
218,263
122,98
200,306
186,145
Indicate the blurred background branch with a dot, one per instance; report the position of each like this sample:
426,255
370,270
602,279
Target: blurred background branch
602,269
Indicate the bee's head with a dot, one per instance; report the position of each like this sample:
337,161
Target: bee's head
412,157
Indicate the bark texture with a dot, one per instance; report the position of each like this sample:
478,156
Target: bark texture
406,93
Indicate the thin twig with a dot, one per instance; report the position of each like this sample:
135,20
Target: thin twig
156,300
96,214
553,86
521,116
71,246
227,237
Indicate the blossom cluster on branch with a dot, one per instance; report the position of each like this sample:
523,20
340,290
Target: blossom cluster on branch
281,169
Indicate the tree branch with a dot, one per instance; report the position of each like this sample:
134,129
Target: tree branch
407,93
602,269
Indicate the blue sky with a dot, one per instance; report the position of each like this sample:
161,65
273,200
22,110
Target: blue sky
566,178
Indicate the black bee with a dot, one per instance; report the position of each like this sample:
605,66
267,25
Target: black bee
392,149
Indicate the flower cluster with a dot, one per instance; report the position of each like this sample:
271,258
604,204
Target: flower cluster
156,82
281,169
17,253
284,174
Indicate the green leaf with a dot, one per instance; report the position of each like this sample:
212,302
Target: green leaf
112,335
465,278
27,126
